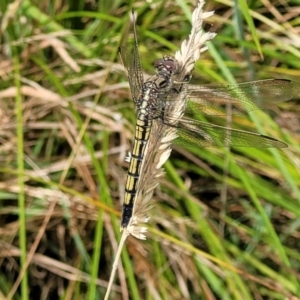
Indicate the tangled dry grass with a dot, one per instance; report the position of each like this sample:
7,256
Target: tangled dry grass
66,124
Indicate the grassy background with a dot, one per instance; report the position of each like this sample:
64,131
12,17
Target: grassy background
225,224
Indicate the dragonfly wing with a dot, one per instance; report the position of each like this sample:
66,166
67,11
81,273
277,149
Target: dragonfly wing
239,98
200,134
134,70
133,66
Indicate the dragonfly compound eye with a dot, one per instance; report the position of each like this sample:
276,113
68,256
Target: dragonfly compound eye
167,64
159,64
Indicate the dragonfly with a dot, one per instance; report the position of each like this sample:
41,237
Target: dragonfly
153,95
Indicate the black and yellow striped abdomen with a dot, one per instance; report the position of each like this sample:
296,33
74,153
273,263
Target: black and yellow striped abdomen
141,137
142,133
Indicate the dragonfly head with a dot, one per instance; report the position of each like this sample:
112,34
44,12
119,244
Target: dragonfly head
167,64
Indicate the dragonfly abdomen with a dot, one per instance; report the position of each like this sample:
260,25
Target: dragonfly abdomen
141,137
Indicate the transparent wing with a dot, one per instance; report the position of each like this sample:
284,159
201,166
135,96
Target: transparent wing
238,98
200,134
132,64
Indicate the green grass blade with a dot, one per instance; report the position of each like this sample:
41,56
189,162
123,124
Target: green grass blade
21,196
